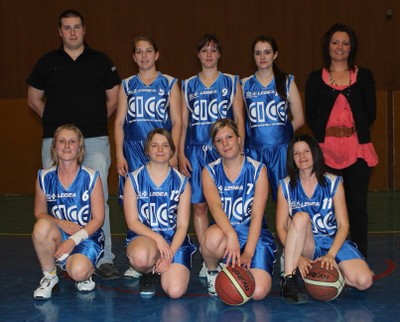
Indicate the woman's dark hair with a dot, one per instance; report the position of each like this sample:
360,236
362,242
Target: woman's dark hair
326,39
144,38
280,77
318,160
206,39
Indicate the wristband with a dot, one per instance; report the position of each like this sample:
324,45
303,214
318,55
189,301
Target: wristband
79,236
62,257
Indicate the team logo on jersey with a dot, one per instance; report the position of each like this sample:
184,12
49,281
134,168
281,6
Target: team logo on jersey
53,197
81,216
204,110
250,94
259,112
193,96
142,194
236,208
209,92
142,108
326,224
230,188
159,216
300,204
158,194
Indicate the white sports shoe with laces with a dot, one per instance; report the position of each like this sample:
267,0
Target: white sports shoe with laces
211,276
132,273
86,286
45,289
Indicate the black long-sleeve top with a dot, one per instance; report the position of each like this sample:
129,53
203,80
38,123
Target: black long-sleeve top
320,98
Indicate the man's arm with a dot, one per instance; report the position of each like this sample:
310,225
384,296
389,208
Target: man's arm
112,99
36,100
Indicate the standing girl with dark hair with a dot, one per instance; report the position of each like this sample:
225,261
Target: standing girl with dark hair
206,97
274,110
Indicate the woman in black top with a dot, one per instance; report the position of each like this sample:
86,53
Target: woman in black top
340,109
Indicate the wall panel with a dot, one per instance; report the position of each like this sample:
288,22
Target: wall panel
28,29
396,139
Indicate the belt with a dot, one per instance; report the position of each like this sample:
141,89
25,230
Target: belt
340,131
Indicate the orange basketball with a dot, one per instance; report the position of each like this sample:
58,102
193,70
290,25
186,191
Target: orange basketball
235,285
323,284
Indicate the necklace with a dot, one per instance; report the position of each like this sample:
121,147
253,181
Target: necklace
333,82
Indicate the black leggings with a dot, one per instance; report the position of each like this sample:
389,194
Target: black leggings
356,180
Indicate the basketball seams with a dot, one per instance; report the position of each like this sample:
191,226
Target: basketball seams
324,284
233,284
337,284
236,284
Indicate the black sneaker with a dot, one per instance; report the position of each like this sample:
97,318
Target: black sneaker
291,292
107,271
146,287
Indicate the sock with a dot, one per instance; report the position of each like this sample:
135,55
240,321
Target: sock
50,273
282,265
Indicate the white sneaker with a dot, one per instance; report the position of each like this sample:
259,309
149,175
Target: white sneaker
203,271
132,273
46,286
86,286
211,276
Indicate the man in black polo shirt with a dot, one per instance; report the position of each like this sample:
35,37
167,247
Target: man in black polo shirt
79,85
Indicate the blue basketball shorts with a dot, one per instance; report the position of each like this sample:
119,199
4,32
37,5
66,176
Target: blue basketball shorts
91,247
199,156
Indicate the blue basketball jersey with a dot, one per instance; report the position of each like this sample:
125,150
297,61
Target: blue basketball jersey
237,196
237,201
148,106
157,205
71,203
267,122
322,215
207,104
319,207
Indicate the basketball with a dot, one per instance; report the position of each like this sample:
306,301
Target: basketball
323,284
235,285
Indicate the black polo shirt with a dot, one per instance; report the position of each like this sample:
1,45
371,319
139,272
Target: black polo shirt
75,90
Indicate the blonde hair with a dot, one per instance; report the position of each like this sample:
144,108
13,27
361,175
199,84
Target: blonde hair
81,152
219,124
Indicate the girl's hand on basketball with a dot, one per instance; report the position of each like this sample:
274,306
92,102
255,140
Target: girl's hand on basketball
232,251
245,260
304,265
327,261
